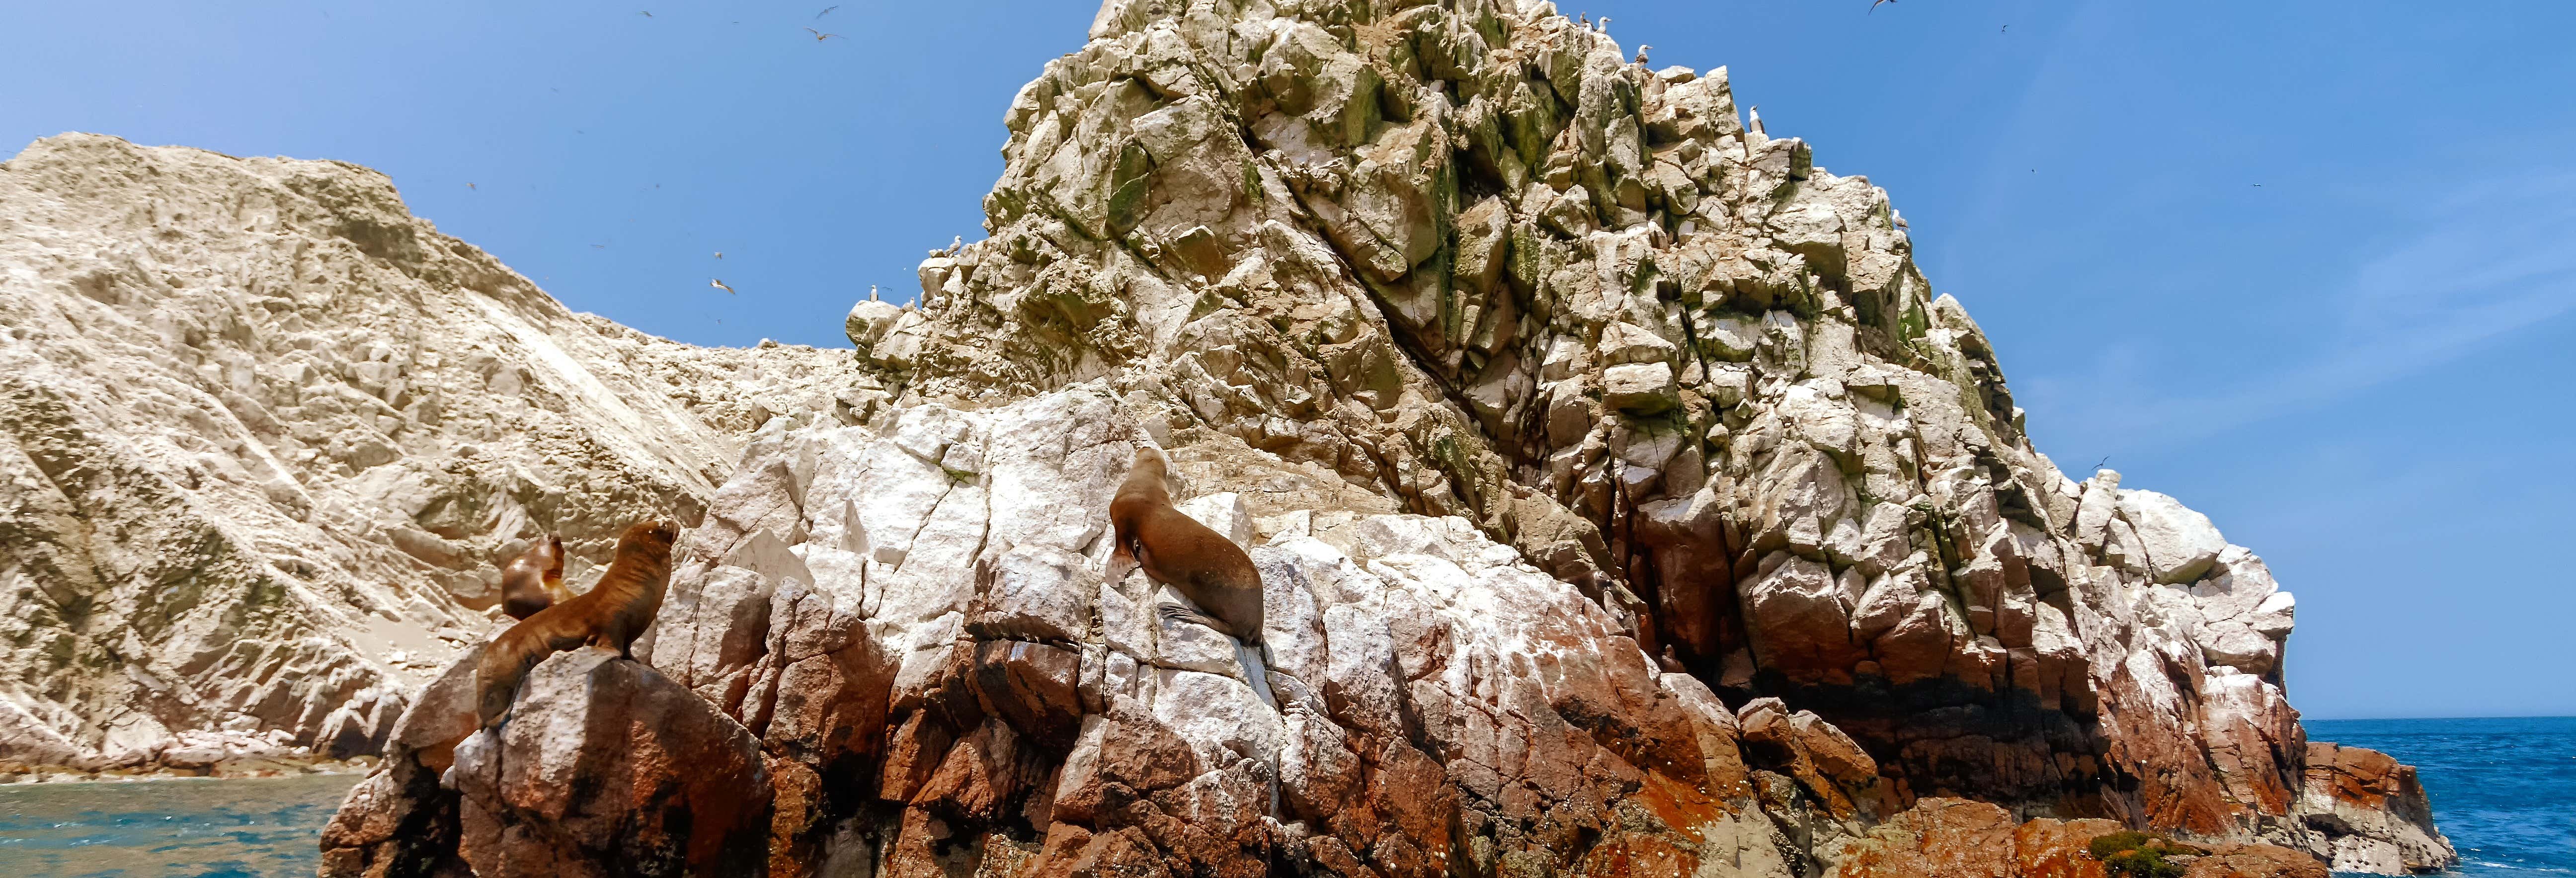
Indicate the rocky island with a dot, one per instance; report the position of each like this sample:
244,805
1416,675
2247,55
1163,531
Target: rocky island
1624,498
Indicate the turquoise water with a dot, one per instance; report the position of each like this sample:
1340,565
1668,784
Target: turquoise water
228,828
2504,790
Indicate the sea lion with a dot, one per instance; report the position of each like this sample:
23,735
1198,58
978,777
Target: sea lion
530,582
1176,550
610,614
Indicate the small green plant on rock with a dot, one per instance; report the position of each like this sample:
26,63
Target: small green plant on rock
2134,854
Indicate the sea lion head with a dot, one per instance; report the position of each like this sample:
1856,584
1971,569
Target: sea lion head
649,541
529,581
542,558
1139,496
554,558
1150,472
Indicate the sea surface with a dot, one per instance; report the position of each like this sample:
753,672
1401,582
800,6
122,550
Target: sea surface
2504,790
230,828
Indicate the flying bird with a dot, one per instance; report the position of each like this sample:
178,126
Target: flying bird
827,10
645,14
719,254
470,185
1873,5
2007,29
820,36
721,286
599,246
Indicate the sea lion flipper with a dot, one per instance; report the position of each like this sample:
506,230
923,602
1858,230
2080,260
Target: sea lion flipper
1178,613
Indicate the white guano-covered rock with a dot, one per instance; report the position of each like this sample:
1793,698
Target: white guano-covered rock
2180,543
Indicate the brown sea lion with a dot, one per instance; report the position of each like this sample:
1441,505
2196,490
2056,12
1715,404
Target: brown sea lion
610,614
1176,550
530,582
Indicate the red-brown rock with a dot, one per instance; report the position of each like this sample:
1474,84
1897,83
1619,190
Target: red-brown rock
2049,848
606,768
1951,838
399,818
2255,861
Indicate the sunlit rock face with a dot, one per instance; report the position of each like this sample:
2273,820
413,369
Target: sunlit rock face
1626,501
1474,259
265,436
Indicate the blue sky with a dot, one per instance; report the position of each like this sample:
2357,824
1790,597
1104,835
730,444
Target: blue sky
2360,367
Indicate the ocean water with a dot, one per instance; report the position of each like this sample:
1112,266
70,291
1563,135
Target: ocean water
2503,790
229,828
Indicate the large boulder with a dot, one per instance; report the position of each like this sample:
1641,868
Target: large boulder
2379,819
607,768
399,820
2179,541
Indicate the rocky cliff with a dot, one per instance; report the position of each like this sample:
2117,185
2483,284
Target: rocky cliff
264,436
1626,500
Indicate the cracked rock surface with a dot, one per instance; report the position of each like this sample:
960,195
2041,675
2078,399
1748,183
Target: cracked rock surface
1626,501
264,437
1475,262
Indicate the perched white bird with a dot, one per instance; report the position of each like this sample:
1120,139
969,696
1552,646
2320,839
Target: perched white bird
721,286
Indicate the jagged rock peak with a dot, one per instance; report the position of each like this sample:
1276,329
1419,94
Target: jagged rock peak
1626,500
264,436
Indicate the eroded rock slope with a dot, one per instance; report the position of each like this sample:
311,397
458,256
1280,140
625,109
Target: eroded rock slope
264,436
1627,500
